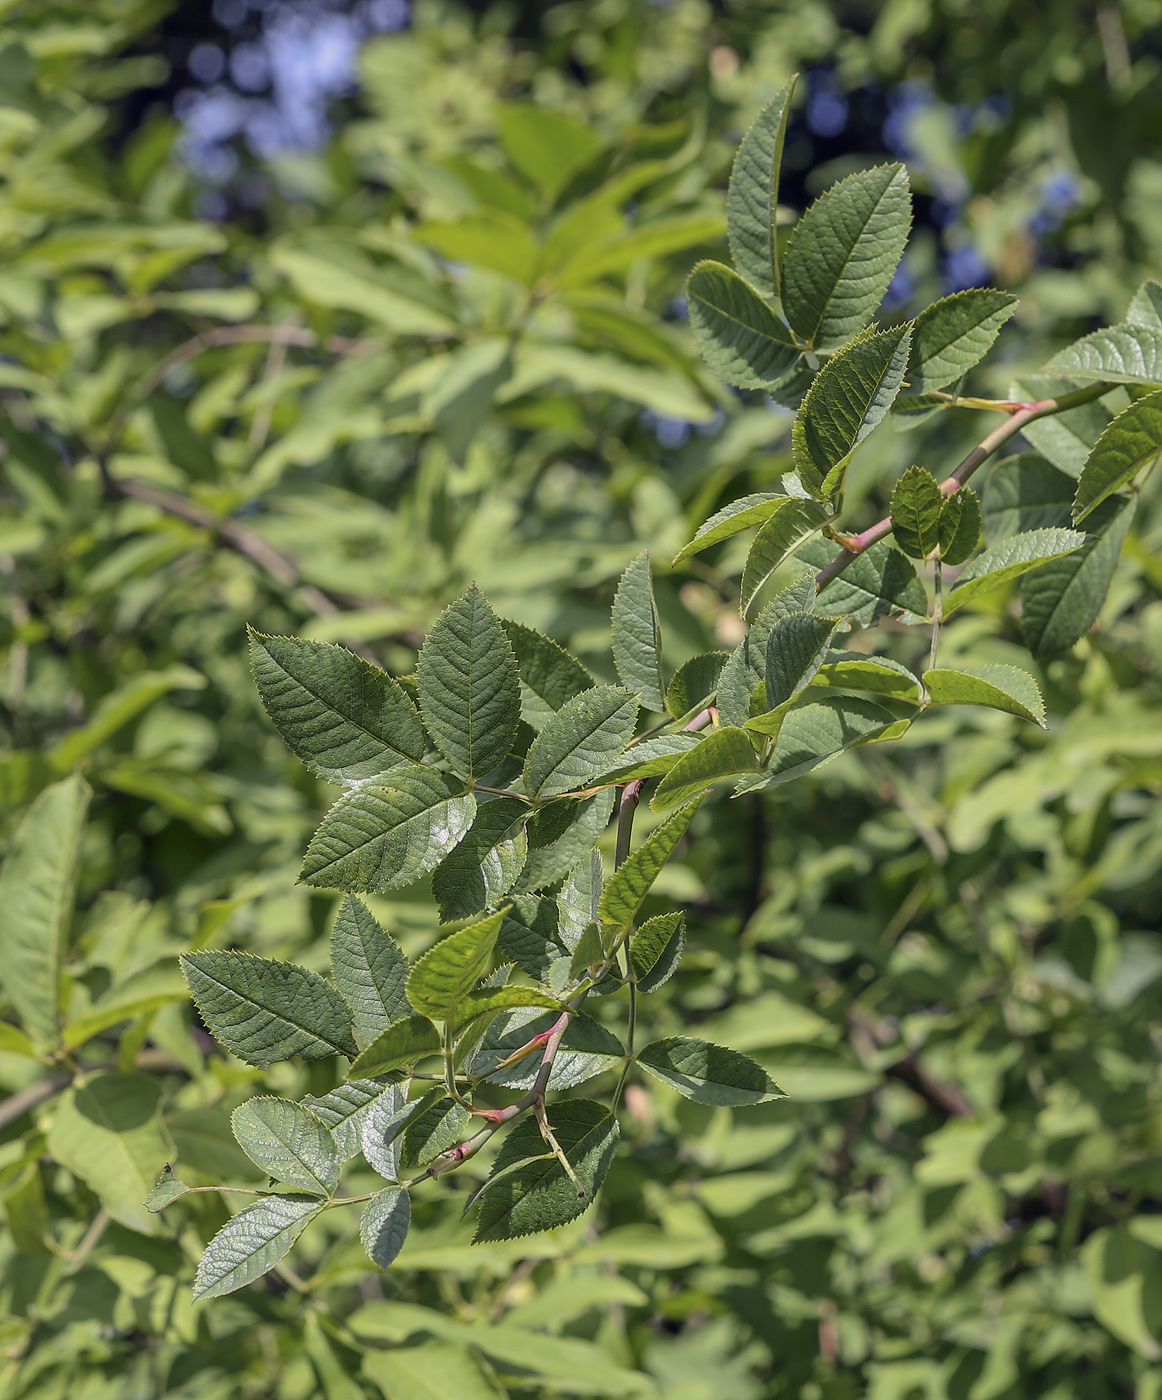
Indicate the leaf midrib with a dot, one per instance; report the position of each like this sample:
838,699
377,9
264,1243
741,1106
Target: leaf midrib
250,1001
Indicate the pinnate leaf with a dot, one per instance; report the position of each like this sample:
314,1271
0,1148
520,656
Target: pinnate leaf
401,1044
737,333
842,255
288,1143
252,1243
708,1073
384,1225
1010,559
1006,688
452,968
722,754
636,634
580,740
630,883
954,334
368,969
469,688
383,836
1132,441
752,196
849,396
263,1011
344,718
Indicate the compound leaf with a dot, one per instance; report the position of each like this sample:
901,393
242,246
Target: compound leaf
252,1243
636,634
368,969
580,740
288,1143
708,1073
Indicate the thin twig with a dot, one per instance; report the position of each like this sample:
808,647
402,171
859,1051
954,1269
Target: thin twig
19,1104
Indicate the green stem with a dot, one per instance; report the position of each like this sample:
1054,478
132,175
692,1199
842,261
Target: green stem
937,614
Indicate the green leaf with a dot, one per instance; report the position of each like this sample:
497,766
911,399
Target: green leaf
752,196
637,642
486,863
630,883
288,1143
954,334
783,535
548,147
368,969
842,255
343,1109
402,1044
108,1131
431,1131
732,519
344,718
560,834
879,582
915,510
1065,439
1025,493
37,883
115,711
385,835
747,665
818,730
15,1042
529,1190
737,333
263,1011
650,758
547,671
655,950
384,1225
431,1371
589,950
381,1127
168,1189
1125,354
708,1073
1061,601
529,935
1124,1277
452,968
579,898
960,526
694,683
848,397
1008,560
487,1002
587,1049
850,670
796,646
252,1243
580,740
1132,441
722,754
1145,307
1006,688
491,238
469,688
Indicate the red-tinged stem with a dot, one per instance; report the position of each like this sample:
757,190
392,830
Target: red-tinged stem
1019,415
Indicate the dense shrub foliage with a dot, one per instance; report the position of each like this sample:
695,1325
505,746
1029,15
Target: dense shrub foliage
570,454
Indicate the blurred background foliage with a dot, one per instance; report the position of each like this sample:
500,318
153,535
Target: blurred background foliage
309,315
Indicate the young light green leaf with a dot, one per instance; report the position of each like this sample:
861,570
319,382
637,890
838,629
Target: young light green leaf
559,836
488,1001
737,333
816,731
380,837
252,1243
630,883
783,535
368,969
651,757
1132,441
1145,307
343,1110
344,718
587,1050
469,688
849,396
850,670
655,950
431,1131
796,647
881,581
637,642
708,1073
589,950
452,968
485,865
954,334
960,525
529,1190
842,255
37,882
288,1143
723,753
169,1188
1060,602
402,1044
916,507
732,519
752,196
384,1225
263,1011
580,740
1125,354
1005,688
695,683
1025,493
1008,560
547,671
